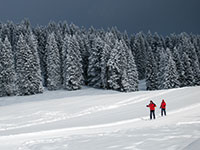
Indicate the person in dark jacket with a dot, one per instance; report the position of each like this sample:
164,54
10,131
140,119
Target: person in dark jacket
152,109
163,107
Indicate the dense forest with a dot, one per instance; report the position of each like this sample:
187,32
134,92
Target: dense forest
65,56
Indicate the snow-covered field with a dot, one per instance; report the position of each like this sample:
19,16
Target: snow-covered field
92,119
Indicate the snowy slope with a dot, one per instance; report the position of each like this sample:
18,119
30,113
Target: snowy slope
99,119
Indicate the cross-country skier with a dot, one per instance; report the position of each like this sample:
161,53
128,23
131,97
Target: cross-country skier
152,109
163,107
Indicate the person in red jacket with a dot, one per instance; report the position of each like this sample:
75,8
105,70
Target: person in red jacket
152,109
163,107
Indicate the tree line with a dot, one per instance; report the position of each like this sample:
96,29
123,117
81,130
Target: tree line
65,56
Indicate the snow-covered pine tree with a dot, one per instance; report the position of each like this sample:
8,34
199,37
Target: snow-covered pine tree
151,73
163,42
84,46
168,42
64,49
195,41
94,66
132,72
175,40
194,63
187,47
163,70
123,66
7,69
116,33
35,62
157,47
57,30
126,39
23,28
101,33
128,70
168,76
110,39
73,29
173,75
139,49
53,64
7,31
65,29
114,67
72,67
41,37
149,39
156,44
179,65
104,68
132,45
198,48
28,79
188,73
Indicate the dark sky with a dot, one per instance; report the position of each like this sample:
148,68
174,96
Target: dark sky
162,16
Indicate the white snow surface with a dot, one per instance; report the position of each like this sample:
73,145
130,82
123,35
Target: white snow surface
93,119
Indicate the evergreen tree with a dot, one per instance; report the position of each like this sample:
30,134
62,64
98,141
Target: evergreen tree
132,45
72,67
114,67
123,66
151,72
28,73
94,67
187,47
179,65
140,54
73,29
132,72
198,48
157,46
126,39
53,64
194,64
110,39
36,74
7,31
118,35
195,41
168,76
103,65
84,52
168,43
65,29
188,73
7,69
23,28
41,37
57,31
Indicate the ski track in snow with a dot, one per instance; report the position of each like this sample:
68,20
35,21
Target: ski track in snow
97,109
45,117
99,126
66,138
62,143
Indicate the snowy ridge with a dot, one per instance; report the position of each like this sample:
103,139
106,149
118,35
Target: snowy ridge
105,121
